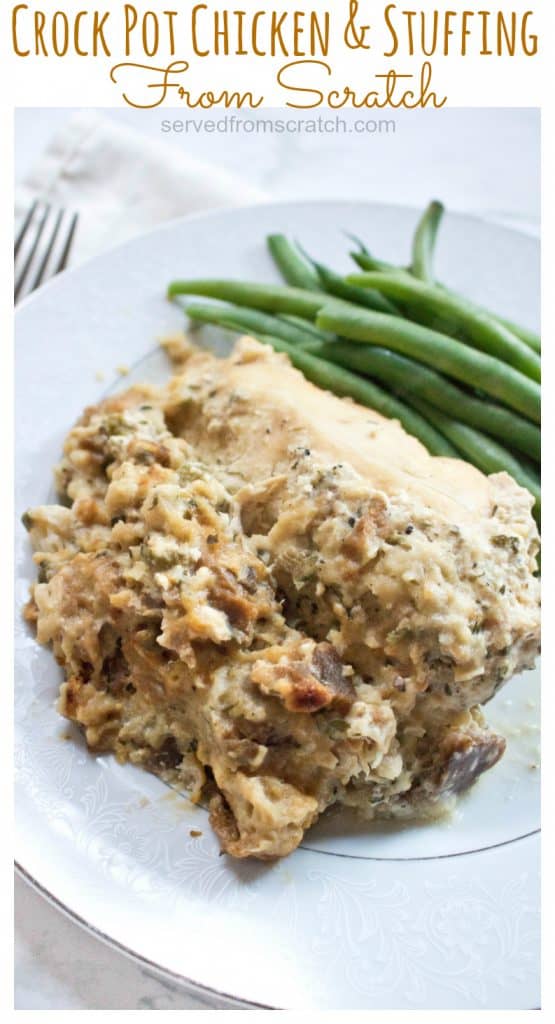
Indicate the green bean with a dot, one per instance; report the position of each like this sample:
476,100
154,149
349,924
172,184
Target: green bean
336,285
272,298
407,377
437,350
341,382
296,270
369,263
308,327
526,335
482,451
481,330
358,241
424,241
445,325
365,260
243,319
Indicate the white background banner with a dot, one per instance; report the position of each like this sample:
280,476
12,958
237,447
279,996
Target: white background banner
343,53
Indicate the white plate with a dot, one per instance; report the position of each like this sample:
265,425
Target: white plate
436,916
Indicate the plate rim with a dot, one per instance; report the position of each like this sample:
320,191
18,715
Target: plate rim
132,954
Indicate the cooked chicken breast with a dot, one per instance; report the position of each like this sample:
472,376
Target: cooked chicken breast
278,600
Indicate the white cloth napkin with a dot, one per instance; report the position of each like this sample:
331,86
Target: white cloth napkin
122,183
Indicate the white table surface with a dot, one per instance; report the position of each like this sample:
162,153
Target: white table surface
481,161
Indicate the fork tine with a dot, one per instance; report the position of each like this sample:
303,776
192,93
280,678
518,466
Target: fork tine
44,262
24,226
25,269
69,240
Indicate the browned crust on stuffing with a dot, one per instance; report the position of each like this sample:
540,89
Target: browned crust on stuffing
306,686
320,634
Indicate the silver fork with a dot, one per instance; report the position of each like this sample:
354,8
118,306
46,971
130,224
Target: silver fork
40,217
